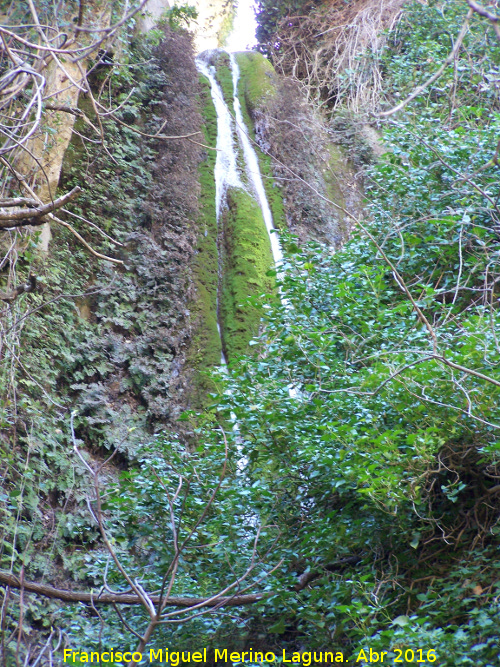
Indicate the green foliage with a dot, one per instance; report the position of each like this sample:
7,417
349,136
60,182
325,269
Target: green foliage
178,16
104,340
224,77
137,311
365,438
381,466
227,24
419,44
257,79
270,12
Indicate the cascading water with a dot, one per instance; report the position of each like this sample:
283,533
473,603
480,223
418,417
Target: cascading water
226,173
242,35
253,168
231,134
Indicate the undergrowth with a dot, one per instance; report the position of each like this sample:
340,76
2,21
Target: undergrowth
106,342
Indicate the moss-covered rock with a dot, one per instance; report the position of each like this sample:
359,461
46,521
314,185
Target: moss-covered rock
257,79
246,261
256,86
205,349
224,76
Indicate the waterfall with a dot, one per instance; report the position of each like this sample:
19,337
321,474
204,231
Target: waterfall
242,37
253,168
226,172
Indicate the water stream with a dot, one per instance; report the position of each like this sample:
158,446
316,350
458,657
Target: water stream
253,168
226,172
232,134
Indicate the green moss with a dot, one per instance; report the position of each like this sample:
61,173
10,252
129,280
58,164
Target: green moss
256,84
339,166
256,78
336,165
247,259
273,192
205,349
246,247
224,75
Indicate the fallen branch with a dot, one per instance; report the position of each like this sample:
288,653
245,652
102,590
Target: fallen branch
18,201
84,242
185,602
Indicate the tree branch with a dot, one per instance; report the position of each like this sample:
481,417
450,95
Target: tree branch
311,575
124,598
420,89
24,216
482,11
30,286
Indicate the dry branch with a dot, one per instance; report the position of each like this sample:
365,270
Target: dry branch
19,201
24,216
66,109
124,598
485,13
322,50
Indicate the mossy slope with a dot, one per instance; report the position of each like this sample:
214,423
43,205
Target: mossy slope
224,77
286,127
246,261
244,247
257,77
256,85
205,349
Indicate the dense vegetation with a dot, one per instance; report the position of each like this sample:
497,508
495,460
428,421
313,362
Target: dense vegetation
382,473
104,341
358,493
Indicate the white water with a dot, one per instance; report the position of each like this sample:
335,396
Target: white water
253,169
254,174
226,172
242,36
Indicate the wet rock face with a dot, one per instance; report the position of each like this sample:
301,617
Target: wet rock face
139,318
311,170
153,9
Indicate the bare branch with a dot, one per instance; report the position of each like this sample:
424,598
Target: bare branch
11,580
451,57
18,218
485,13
